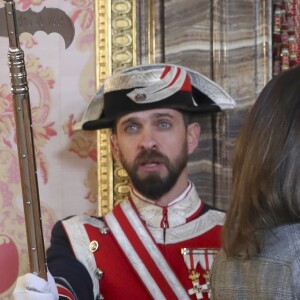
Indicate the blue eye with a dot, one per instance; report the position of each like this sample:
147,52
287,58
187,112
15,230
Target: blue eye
131,128
164,124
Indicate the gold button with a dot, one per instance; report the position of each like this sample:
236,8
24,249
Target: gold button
94,246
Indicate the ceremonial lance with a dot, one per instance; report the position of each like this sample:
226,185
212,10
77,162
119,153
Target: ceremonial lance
48,20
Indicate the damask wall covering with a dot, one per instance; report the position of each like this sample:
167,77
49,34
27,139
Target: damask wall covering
61,83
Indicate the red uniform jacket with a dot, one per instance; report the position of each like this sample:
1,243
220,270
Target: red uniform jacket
136,251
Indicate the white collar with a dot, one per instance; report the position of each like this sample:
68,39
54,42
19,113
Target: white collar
177,212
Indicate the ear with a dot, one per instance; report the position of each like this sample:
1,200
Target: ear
114,147
193,135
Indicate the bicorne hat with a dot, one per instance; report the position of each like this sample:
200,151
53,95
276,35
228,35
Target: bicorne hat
153,86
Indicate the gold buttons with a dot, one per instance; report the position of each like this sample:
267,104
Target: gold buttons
94,246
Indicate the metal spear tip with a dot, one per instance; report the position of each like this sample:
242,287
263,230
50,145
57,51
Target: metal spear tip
48,20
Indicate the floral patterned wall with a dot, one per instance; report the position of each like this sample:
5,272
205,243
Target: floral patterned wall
61,83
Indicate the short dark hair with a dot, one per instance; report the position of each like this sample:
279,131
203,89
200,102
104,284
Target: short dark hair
266,167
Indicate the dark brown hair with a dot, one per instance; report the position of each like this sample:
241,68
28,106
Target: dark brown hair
266,167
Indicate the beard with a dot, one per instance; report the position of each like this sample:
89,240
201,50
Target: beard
153,186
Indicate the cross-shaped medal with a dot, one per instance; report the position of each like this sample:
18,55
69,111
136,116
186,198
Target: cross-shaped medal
193,256
197,288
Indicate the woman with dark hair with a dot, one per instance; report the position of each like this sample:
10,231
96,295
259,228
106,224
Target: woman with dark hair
260,258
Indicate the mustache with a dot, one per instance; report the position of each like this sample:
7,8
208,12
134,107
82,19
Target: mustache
151,156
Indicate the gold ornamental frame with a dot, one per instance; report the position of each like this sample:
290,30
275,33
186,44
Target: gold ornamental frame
120,26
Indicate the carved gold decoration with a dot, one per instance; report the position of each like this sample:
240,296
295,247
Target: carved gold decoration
103,70
116,49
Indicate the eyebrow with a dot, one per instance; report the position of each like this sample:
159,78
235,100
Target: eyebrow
153,116
159,115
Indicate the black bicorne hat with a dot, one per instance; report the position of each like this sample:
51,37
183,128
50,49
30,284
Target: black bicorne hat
149,87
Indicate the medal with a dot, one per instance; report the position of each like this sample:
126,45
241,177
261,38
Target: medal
203,256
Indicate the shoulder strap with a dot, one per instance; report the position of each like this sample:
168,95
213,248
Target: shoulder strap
79,238
143,254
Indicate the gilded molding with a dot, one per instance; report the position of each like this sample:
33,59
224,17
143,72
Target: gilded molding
123,31
103,70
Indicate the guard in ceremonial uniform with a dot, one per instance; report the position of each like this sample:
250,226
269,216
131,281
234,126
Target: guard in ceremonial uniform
160,242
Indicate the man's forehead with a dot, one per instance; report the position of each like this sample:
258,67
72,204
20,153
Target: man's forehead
153,113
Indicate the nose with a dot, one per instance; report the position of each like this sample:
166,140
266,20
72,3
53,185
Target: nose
148,140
